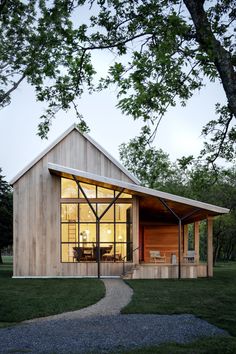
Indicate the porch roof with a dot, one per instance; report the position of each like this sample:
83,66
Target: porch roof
152,202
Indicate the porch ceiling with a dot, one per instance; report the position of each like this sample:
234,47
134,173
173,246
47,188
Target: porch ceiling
152,209
151,201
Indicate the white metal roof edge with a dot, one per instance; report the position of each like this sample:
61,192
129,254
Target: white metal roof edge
57,141
138,188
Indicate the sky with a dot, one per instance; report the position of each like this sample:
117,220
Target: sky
179,133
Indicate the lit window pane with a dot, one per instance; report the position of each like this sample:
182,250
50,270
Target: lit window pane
120,251
87,233
69,188
109,216
86,213
123,195
69,232
124,250
105,193
107,233
123,213
67,252
88,189
123,232
88,252
69,212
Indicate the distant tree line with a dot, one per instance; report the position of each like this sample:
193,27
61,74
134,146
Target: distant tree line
6,214
192,179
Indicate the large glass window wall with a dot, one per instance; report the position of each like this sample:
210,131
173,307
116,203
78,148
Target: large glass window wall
79,225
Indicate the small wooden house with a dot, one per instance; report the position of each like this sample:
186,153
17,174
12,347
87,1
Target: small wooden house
79,213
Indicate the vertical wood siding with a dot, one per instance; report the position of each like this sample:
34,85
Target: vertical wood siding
37,210
161,238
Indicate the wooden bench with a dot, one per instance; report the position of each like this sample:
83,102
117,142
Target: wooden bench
156,257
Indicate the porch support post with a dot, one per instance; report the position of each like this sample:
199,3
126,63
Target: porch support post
98,246
179,234
196,241
210,246
180,231
179,248
185,239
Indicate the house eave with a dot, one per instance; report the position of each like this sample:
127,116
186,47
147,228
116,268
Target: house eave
133,188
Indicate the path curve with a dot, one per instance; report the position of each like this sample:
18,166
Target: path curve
101,329
118,295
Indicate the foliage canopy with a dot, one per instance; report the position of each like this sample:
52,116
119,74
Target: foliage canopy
165,49
6,214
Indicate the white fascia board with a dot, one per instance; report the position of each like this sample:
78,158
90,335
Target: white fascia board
136,189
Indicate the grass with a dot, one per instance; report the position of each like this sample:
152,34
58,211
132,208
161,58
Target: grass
23,299
211,299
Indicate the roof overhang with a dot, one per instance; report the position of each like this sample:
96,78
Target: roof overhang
151,201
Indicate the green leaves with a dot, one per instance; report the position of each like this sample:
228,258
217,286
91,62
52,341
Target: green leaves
38,42
222,135
152,167
161,55
6,213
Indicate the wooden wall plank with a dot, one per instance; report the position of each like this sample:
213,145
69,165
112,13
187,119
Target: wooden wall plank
185,240
196,241
161,238
210,246
37,209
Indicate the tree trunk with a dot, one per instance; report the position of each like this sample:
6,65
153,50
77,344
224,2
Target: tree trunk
215,255
1,262
216,52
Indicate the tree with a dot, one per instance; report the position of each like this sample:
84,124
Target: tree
151,166
192,179
166,48
38,45
6,214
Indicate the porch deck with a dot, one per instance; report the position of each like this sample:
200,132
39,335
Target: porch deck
168,271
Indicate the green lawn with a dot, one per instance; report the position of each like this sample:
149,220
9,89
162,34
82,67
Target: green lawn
211,299
22,299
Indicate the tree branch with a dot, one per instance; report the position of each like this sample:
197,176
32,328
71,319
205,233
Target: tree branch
216,155
114,45
216,52
14,87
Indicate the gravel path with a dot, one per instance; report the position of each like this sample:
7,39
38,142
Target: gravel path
103,334
118,295
101,329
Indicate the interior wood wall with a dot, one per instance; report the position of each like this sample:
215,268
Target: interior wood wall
37,210
163,238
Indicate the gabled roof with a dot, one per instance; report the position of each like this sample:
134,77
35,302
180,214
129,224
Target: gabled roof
154,198
59,139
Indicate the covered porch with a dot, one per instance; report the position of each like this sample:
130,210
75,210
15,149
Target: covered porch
169,239
158,243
